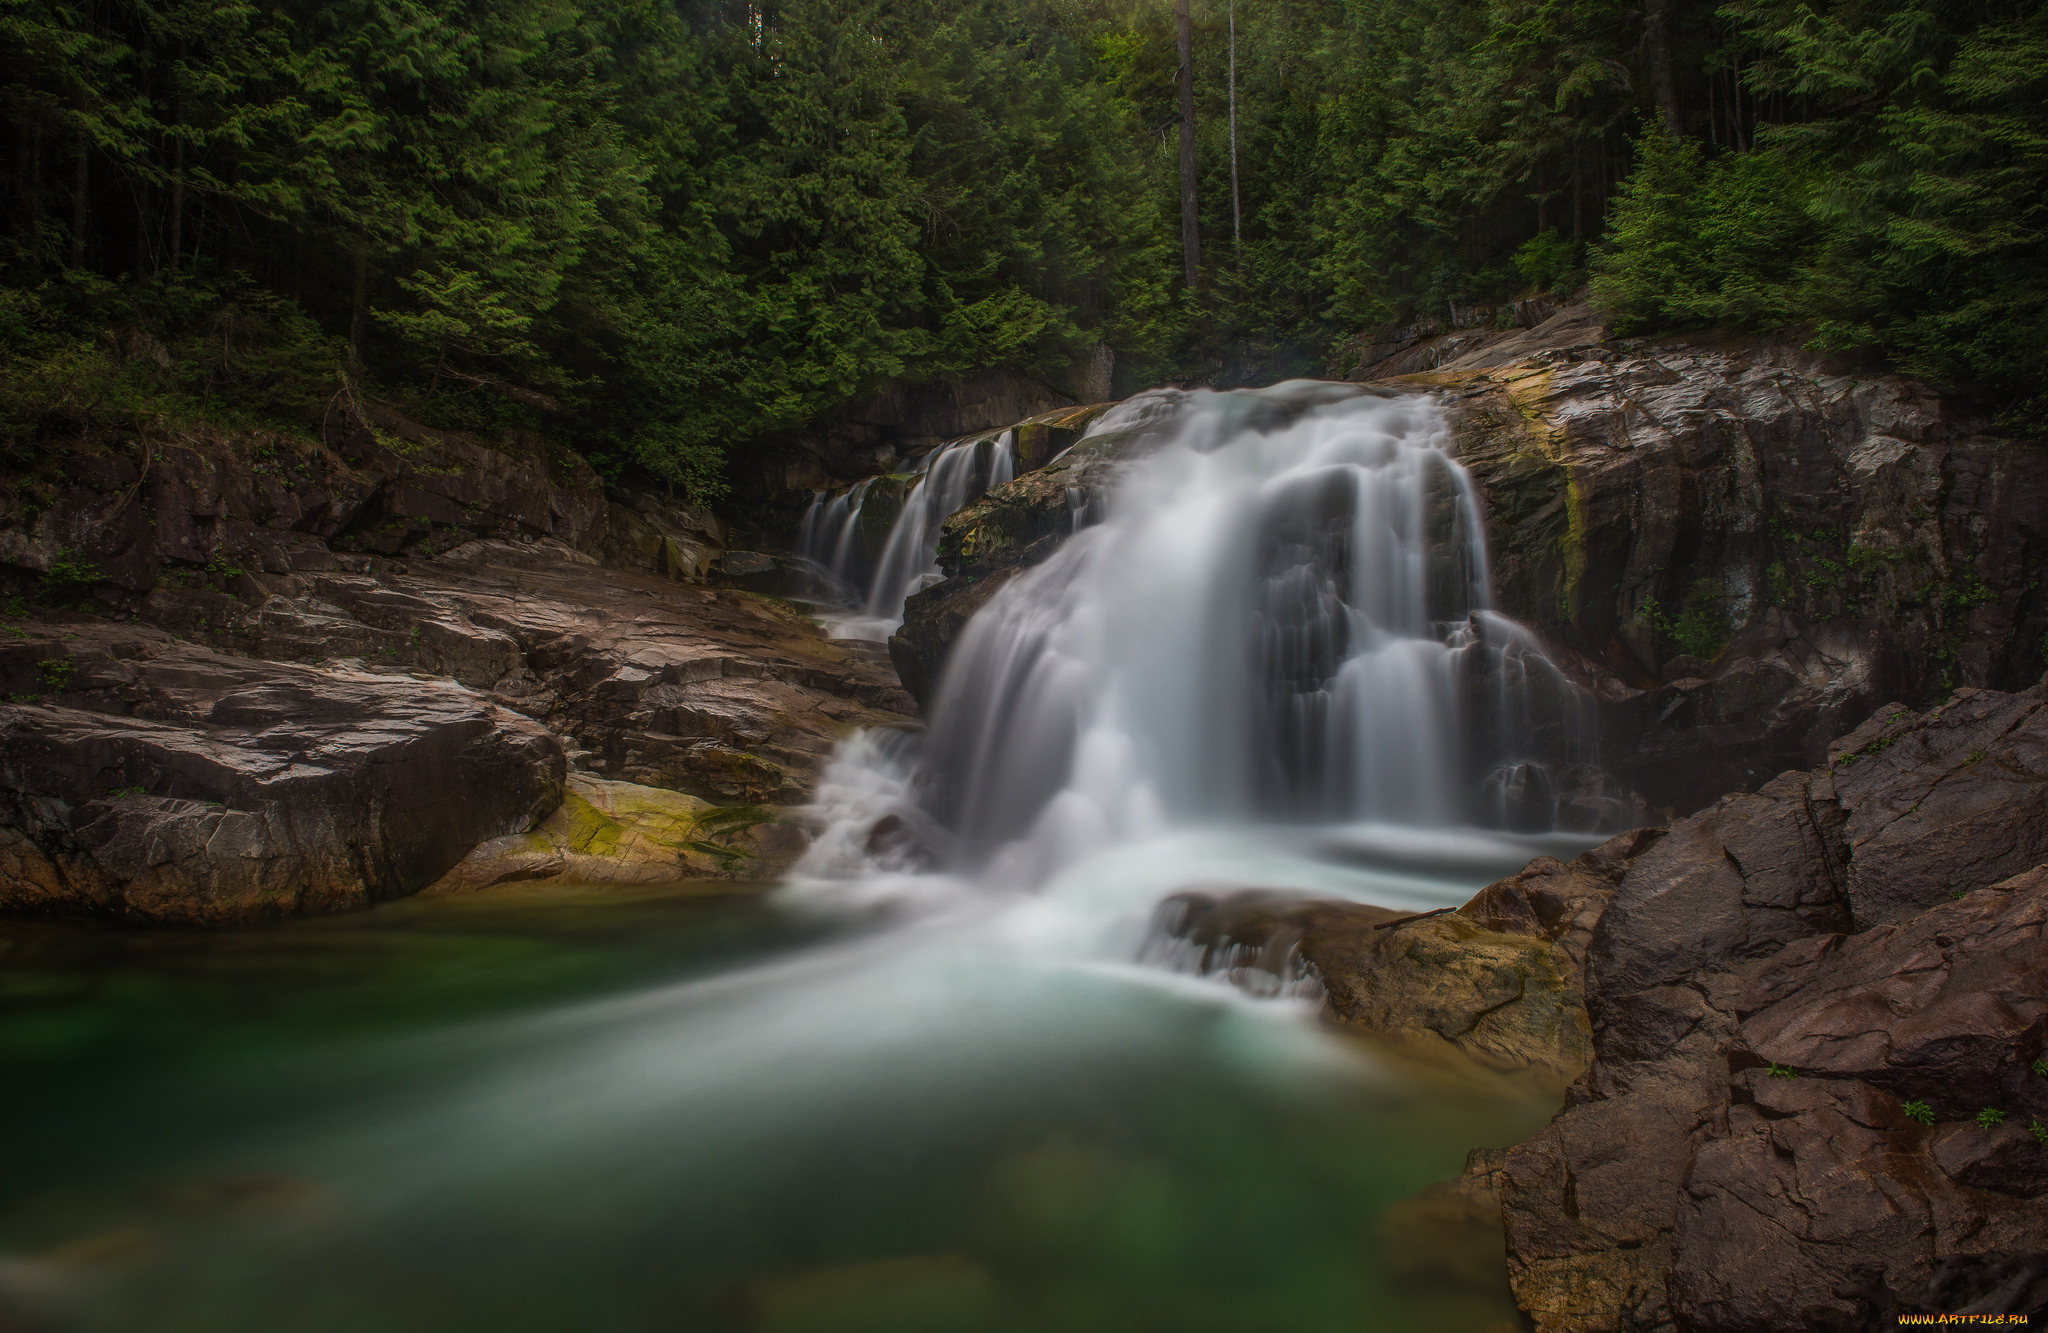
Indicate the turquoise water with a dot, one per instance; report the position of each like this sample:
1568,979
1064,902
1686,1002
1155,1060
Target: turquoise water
561,1108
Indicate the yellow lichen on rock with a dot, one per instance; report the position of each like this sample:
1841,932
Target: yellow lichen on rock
608,832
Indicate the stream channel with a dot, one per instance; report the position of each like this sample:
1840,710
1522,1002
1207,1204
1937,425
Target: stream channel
948,1075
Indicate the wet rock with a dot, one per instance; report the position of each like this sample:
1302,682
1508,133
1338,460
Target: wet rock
718,693
164,782
675,540
209,511
1746,547
1776,1009
1498,979
607,832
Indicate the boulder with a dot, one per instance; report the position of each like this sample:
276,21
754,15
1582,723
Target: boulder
1817,1051
159,781
1499,979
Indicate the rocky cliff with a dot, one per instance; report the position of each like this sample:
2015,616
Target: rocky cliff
1747,547
1819,1017
248,676
1737,547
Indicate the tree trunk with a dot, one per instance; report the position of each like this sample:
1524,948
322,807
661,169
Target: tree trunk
1236,199
1190,220
176,234
358,314
25,182
1657,41
177,205
81,191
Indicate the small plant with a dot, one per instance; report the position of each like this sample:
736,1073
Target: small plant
56,673
68,580
1973,756
219,566
16,609
119,792
1783,1071
1919,1112
2040,1133
2040,1065
1990,1118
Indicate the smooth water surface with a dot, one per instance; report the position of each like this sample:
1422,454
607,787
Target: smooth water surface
634,1109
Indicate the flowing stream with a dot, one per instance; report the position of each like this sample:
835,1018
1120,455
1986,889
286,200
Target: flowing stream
940,1079
863,582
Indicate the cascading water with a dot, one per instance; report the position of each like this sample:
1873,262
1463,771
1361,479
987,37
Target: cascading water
866,582
1282,618
1264,662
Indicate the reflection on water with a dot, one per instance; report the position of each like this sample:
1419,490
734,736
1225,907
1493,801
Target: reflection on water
549,1108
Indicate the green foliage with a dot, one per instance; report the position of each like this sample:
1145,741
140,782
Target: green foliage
2040,1066
1783,1071
68,580
56,674
2040,1133
1919,1112
1990,1118
1550,263
665,233
1896,198
1697,240
1701,627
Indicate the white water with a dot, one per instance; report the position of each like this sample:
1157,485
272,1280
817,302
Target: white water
1268,663
1271,660
866,595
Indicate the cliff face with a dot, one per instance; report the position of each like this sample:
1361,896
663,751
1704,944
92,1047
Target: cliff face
1747,549
1739,548
1819,1019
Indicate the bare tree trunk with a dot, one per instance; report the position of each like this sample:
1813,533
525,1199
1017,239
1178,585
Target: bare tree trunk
1657,40
81,190
1236,199
358,314
1578,196
177,201
25,182
1190,219
177,236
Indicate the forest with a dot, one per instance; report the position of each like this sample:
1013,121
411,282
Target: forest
667,231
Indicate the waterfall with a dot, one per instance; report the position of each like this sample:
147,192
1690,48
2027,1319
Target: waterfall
863,573
1280,617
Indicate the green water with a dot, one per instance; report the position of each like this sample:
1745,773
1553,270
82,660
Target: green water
657,1109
